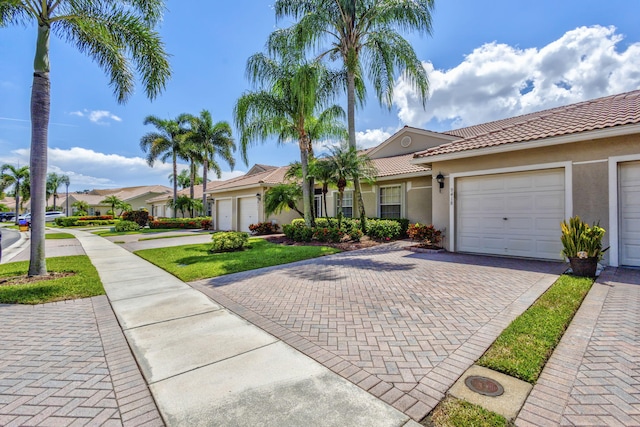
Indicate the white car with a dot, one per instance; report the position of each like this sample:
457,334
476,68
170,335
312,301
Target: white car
51,216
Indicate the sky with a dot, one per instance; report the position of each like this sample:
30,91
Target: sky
485,61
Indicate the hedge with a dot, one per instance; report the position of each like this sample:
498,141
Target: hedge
186,223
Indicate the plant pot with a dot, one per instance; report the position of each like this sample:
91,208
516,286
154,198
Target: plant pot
584,267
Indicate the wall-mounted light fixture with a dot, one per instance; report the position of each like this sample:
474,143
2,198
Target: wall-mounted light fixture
259,197
440,180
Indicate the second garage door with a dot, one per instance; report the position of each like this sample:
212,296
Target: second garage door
248,207
515,214
223,215
630,214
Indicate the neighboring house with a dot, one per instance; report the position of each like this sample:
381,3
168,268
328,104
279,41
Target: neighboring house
136,196
160,204
508,184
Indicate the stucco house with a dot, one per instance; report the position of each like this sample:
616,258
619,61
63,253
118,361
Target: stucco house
136,196
508,184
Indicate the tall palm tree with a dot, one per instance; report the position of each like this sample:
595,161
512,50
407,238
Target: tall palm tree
348,165
363,35
16,176
119,36
66,181
211,140
166,143
113,201
321,170
293,91
54,181
184,179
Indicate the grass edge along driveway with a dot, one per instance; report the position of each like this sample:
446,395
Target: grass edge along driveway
195,262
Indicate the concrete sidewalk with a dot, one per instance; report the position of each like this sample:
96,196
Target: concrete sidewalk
206,366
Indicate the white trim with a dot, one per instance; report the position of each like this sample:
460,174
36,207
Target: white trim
420,188
588,162
614,239
536,143
568,188
402,198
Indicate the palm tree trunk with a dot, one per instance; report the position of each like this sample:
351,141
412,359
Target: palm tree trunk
175,183
351,124
324,199
304,161
205,166
40,110
17,189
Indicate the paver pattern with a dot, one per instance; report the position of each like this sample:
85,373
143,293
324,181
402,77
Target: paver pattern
593,377
403,326
68,363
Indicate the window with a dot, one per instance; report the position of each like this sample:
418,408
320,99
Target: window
347,204
391,202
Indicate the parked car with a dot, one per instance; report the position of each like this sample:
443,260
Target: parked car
21,217
6,216
51,216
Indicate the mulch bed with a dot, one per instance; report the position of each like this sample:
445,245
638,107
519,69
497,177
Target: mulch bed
365,242
25,280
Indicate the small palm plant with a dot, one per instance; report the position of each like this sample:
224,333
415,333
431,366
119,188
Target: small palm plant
582,245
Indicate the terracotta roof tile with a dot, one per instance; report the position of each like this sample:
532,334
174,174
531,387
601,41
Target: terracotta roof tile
271,176
397,165
601,113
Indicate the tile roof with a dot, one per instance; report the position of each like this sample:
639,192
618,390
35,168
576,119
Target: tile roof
271,176
197,192
601,113
397,165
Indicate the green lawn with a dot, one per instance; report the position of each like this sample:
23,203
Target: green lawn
55,236
524,347
85,283
452,412
193,262
142,239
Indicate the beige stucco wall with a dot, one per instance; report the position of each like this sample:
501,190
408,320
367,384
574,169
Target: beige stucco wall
420,141
589,174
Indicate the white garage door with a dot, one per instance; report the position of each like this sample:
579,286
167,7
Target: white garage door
630,214
515,214
223,215
248,207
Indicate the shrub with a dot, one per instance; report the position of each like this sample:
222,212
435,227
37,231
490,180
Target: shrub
74,221
140,217
229,241
185,223
127,226
298,232
206,224
383,229
327,234
426,234
356,234
264,228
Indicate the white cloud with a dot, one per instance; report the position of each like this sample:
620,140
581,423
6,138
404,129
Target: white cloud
497,80
97,116
372,137
89,169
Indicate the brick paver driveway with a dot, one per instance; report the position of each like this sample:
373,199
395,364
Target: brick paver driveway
402,325
68,363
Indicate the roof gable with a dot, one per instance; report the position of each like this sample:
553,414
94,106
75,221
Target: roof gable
408,140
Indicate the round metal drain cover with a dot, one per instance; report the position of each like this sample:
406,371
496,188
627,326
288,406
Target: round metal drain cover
483,385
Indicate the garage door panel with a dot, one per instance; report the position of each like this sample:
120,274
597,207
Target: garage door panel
532,203
248,207
224,214
629,201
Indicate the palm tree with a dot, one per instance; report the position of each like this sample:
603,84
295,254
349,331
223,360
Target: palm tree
184,180
347,164
322,170
363,35
66,181
54,181
119,36
112,201
293,93
185,204
210,140
281,197
81,206
16,176
166,143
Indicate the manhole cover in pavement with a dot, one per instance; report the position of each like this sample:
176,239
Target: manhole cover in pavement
483,385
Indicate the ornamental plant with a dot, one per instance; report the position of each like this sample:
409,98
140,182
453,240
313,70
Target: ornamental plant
262,228
579,240
127,226
383,229
425,234
229,241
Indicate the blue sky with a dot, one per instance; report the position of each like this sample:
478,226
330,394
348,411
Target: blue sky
486,60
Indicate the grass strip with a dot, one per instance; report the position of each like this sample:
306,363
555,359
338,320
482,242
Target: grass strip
109,233
194,262
142,239
452,412
526,344
83,284
56,236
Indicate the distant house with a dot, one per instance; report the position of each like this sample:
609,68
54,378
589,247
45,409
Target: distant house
136,196
160,205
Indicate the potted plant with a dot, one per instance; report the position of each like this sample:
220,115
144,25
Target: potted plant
582,245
